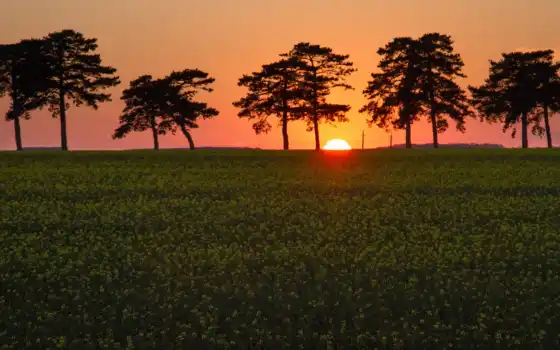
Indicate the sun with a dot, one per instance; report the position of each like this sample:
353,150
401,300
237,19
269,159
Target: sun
337,145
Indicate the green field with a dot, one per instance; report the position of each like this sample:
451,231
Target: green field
258,249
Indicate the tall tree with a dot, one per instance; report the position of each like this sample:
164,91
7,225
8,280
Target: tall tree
548,89
439,67
140,113
395,100
22,77
512,92
272,91
77,75
178,106
417,78
320,71
165,105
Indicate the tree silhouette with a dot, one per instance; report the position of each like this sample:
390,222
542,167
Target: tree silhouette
439,67
139,113
178,107
548,90
165,105
417,78
77,75
22,77
272,91
512,92
394,96
320,71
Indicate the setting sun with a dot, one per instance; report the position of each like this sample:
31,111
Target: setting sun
337,145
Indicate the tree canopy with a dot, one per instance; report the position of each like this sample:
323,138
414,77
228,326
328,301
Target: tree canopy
165,105
514,90
274,90
320,71
76,75
22,77
417,79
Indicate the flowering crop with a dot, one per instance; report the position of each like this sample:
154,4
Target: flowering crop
252,249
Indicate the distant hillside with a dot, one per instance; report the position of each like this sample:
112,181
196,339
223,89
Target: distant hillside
451,145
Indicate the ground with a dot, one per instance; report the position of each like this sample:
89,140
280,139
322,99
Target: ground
233,249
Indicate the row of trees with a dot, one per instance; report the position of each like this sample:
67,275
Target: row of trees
63,69
417,78
55,71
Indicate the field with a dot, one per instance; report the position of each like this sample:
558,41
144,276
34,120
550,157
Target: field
387,249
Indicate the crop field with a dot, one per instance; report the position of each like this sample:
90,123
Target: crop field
386,249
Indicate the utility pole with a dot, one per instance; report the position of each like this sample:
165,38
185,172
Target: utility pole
391,140
363,136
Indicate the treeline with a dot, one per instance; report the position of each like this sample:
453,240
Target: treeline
416,79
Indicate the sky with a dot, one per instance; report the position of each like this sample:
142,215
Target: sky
228,38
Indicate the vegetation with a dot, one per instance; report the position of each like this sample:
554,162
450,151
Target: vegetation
222,249
76,75
275,90
296,88
321,70
521,87
22,78
417,78
165,105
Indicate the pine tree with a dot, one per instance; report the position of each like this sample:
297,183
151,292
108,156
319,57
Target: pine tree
441,95
165,105
77,75
394,97
22,77
140,113
513,92
272,91
321,70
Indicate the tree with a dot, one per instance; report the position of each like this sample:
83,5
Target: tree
394,96
165,105
178,107
320,71
77,75
272,91
512,92
439,67
548,90
417,78
140,113
22,73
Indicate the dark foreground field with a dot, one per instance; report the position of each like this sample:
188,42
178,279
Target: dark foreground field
252,249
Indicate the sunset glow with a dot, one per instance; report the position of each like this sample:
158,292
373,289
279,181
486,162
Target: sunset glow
337,145
228,39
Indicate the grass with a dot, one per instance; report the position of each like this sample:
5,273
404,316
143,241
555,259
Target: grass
259,249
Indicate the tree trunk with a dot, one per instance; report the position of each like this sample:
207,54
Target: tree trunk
315,109
63,135
156,141
187,135
154,133
434,129
547,127
524,126
408,135
17,130
285,131
316,130
16,110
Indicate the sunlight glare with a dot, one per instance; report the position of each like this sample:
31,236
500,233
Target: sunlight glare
337,145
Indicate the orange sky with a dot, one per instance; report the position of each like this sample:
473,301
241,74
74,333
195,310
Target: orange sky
230,37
